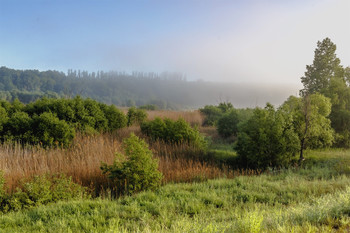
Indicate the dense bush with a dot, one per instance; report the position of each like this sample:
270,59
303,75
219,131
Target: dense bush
135,170
267,139
227,125
136,116
51,131
40,190
18,128
211,114
54,121
173,132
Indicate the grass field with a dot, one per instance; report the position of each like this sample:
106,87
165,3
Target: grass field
312,198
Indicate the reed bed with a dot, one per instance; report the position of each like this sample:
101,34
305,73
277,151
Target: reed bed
82,161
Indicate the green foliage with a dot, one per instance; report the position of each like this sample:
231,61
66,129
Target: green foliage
325,67
52,122
170,131
288,200
310,120
135,115
18,128
267,139
328,77
41,190
213,113
116,119
227,125
136,170
51,131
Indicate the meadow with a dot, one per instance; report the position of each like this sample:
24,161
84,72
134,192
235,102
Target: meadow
199,193
315,198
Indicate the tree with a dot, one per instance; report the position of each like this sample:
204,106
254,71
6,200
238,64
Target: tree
267,139
310,121
174,132
136,116
135,170
51,131
227,125
18,128
324,68
328,77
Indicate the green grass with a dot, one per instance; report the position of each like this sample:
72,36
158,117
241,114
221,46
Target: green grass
313,198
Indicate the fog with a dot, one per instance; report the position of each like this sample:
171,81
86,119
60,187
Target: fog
260,46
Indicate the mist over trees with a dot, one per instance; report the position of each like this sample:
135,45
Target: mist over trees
165,90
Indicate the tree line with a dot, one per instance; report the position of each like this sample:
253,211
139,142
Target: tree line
54,122
319,118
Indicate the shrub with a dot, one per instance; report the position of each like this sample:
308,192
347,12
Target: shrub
51,131
116,119
135,170
213,113
136,116
40,190
170,131
18,128
267,139
228,124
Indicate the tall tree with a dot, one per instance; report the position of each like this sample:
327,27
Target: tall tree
324,68
310,121
328,77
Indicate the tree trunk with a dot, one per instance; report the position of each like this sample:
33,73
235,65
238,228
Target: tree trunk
301,158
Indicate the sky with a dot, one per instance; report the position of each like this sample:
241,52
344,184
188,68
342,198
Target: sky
238,41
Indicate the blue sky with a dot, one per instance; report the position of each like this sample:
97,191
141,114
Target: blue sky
232,41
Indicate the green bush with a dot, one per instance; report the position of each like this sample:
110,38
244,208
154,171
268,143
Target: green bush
173,132
135,170
135,115
267,139
18,128
53,122
213,113
116,119
41,190
51,131
227,125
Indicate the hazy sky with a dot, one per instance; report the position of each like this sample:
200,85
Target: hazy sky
267,41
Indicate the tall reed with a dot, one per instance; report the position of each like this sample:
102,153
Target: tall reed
82,161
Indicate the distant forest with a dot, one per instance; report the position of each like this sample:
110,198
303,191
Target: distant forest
164,90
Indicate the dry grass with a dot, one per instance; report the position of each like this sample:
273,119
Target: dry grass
192,117
178,163
81,161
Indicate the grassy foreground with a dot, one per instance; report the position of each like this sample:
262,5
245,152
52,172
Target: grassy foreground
310,199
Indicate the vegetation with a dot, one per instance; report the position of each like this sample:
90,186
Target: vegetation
327,77
213,113
227,124
54,122
259,184
267,139
40,190
137,116
314,198
309,117
136,170
170,131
